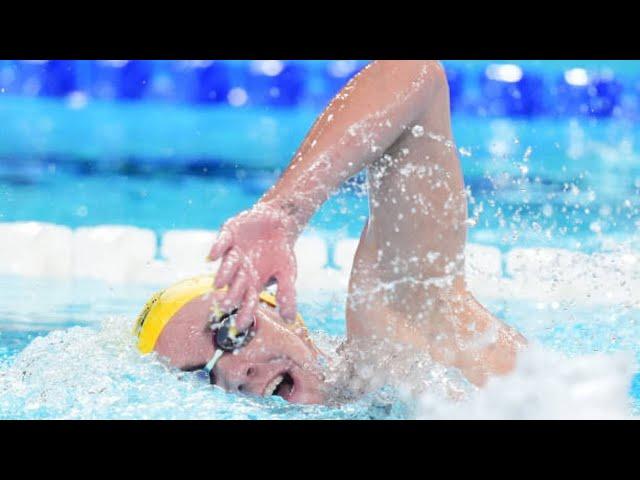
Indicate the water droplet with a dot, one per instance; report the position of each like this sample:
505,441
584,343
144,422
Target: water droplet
432,256
417,131
605,210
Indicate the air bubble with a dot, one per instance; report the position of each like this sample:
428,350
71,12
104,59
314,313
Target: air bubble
417,131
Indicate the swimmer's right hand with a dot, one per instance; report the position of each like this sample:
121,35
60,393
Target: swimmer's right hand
256,247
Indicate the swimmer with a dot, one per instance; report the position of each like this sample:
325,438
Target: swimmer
407,290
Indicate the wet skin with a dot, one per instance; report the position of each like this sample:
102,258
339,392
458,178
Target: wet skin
279,359
407,284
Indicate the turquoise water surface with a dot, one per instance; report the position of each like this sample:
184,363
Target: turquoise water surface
65,345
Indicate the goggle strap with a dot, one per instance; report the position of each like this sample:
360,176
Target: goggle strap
212,363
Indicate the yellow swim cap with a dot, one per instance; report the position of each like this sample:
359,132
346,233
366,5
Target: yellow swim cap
163,305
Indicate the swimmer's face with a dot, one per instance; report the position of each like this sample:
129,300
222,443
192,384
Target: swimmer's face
279,360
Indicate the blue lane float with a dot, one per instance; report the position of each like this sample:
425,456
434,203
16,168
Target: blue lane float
336,74
518,89
59,78
579,92
213,83
455,79
507,90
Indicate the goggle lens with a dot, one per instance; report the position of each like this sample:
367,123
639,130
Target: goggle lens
227,337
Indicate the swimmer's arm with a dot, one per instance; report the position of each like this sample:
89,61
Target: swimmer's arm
369,114
364,119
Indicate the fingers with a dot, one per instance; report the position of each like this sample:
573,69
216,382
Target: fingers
228,269
236,291
221,245
286,296
247,311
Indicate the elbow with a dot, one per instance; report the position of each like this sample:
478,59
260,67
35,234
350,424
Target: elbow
439,75
424,74
436,78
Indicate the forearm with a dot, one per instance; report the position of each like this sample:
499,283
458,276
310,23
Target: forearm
366,117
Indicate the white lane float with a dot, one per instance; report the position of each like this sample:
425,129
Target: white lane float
35,249
129,255
115,253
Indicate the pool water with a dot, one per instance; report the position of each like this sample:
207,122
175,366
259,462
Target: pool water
72,355
66,349
566,182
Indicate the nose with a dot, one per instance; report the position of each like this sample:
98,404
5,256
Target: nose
239,378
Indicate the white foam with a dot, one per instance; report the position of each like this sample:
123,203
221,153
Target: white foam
544,263
561,275
35,249
115,253
546,385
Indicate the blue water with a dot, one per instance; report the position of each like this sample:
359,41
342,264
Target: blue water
83,366
555,181
564,183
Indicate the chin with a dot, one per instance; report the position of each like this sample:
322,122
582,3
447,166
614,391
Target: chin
308,398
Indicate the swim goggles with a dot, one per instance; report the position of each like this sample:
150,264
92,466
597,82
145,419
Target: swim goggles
225,337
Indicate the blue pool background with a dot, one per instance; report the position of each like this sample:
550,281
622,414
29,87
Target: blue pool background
158,143
549,153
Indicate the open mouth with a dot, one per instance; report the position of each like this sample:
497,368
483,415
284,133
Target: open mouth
281,386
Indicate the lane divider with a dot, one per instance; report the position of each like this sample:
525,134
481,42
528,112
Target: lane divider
121,254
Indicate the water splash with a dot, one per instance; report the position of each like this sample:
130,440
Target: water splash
547,385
